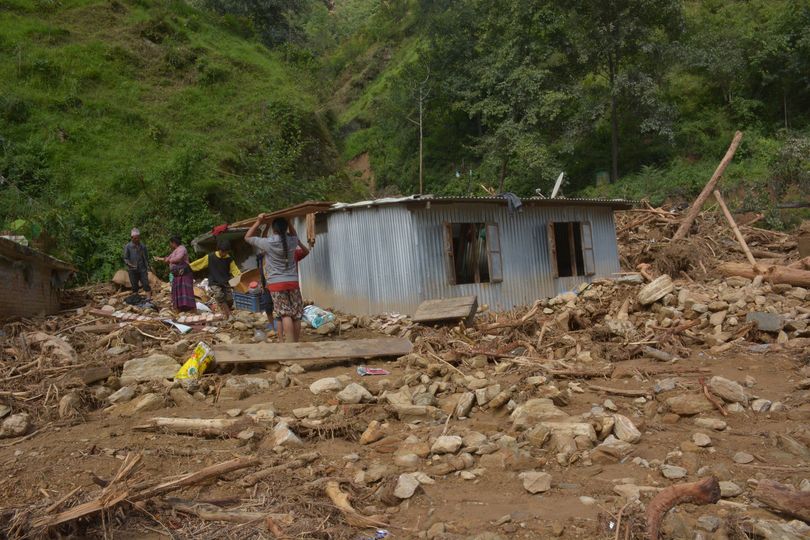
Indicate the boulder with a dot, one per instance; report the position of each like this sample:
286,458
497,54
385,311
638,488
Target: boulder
353,394
689,404
765,322
284,436
535,410
655,290
464,405
15,425
729,390
407,484
327,384
156,367
535,482
447,444
625,430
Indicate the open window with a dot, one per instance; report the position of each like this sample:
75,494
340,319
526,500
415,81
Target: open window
571,247
473,252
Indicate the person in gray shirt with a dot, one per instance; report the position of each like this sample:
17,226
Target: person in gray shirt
136,257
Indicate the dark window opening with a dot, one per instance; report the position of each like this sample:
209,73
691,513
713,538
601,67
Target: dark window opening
321,224
571,246
473,253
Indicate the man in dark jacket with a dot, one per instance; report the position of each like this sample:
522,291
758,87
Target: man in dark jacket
221,267
136,258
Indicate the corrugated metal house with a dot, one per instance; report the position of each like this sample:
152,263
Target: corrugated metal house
30,280
389,255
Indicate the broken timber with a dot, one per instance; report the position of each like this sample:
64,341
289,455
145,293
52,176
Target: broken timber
322,350
447,309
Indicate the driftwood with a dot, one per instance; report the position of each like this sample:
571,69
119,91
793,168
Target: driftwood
352,516
784,499
704,491
626,392
801,264
210,512
214,427
736,230
300,461
773,273
118,491
694,210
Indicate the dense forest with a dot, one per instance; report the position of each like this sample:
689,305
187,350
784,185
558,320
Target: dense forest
175,116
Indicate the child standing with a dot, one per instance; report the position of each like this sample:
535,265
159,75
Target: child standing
221,267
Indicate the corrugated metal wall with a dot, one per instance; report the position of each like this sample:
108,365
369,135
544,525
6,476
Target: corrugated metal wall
390,259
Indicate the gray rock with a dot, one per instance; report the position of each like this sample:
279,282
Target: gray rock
407,484
709,523
729,489
284,436
729,390
283,378
711,423
5,410
447,444
118,350
465,405
673,472
148,402
327,384
665,385
535,482
689,404
534,410
353,394
625,430
766,322
425,399
122,395
241,387
69,405
407,461
761,405
743,458
701,439
15,425
155,367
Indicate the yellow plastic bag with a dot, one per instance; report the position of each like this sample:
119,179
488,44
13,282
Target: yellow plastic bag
197,364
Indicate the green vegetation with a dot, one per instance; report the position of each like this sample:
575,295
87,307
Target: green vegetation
175,116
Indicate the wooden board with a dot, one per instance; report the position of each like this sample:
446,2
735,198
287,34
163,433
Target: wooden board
447,309
321,350
309,207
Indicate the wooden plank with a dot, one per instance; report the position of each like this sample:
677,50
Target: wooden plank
445,309
322,350
309,207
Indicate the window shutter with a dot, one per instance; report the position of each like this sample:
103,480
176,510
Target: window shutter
494,253
552,249
450,262
587,249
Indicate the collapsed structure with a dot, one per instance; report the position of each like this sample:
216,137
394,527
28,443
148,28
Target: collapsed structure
390,255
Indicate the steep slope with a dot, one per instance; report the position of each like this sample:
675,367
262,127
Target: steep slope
120,113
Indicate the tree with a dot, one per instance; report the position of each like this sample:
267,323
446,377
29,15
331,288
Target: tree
623,42
420,91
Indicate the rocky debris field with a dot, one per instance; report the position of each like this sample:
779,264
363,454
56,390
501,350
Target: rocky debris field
656,404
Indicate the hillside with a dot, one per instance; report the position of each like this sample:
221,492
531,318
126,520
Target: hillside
148,113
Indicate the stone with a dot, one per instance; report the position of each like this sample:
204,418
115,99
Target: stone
701,439
373,433
237,388
609,405
69,405
122,395
407,461
711,423
587,501
665,385
447,444
761,405
729,390
182,398
5,410
729,489
93,374
155,367
743,458
327,384
407,484
118,350
716,319
571,429
534,410
353,394
326,328
465,405
283,378
435,531
689,404
284,436
625,430
673,472
709,523
535,482
655,290
15,425
148,402
765,322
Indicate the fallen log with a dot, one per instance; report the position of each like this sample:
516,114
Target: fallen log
626,392
696,207
210,512
801,264
736,230
352,516
773,273
300,461
704,491
784,499
213,427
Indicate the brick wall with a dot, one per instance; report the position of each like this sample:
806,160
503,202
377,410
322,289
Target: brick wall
25,289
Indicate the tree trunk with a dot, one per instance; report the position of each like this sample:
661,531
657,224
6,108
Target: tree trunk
774,274
502,178
614,124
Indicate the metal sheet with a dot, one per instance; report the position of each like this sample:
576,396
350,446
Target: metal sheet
390,259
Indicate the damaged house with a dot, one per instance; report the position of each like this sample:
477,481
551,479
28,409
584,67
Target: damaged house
390,255
30,281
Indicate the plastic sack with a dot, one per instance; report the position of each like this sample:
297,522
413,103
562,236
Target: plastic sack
317,317
197,364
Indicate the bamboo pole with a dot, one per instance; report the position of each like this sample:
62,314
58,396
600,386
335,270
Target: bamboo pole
737,233
694,210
